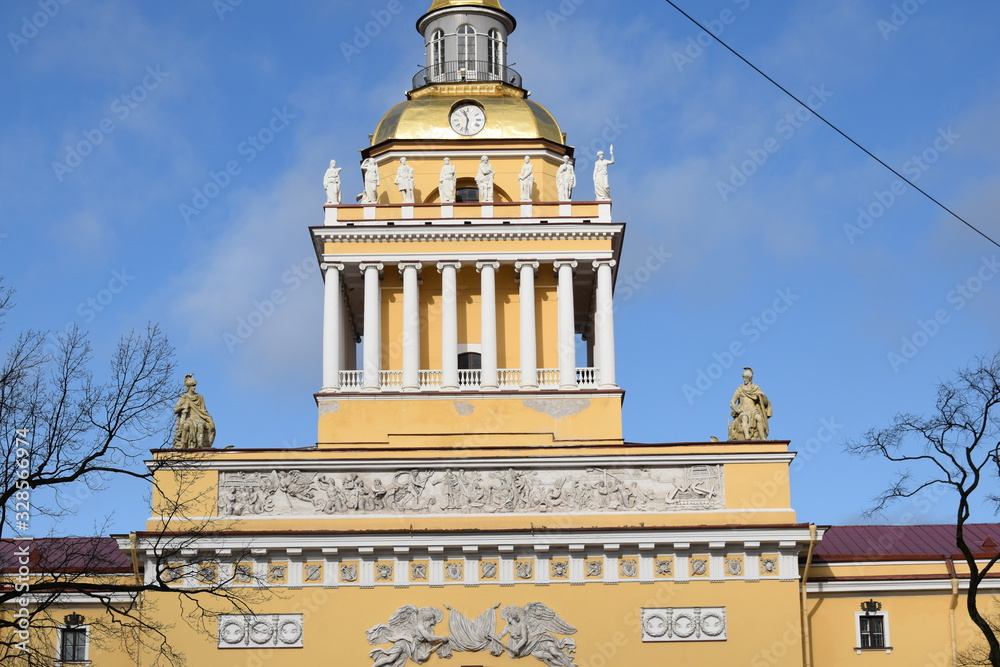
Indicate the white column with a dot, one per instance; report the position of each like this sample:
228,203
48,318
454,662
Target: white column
529,352
411,325
567,325
333,328
449,325
373,327
604,320
488,306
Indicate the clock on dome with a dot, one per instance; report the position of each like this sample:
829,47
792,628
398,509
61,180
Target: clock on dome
467,119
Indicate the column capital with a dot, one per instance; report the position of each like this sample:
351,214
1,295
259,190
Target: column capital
559,263
521,264
364,266
441,266
326,266
495,265
410,265
598,263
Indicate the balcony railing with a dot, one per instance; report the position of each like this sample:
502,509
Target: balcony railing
509,379
460,71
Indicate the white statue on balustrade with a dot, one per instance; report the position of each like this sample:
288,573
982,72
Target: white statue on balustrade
602,189
484,179
370,195
331,182
527,179
404,181
447,182
566,179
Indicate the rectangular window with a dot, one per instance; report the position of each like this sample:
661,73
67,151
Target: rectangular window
72,644
872,632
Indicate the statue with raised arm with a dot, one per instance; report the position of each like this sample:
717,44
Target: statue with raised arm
566,179
404,181
751,411
372,182
484,179
447,182
527,179
331,182
602,189
195,427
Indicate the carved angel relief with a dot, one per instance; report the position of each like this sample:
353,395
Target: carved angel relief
530,631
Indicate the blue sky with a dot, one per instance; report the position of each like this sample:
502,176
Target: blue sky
750,228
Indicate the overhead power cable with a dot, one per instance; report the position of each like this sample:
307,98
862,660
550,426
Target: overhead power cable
834,127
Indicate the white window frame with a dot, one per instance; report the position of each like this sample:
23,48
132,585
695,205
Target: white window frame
467,45
437,53
86,645
885,633
495,55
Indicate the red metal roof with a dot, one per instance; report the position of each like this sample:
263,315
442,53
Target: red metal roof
66,554
842,543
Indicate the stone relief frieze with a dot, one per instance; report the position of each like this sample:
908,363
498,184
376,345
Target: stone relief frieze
273,631
530,631
470,491
684,624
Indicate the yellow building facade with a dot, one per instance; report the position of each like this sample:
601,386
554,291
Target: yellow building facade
471,498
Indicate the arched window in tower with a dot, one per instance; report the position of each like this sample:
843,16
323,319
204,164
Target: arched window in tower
467,48
437,54
496,54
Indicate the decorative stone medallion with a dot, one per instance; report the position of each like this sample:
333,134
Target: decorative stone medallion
684,624
272,631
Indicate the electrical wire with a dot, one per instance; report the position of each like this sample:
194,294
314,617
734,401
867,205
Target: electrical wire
834,127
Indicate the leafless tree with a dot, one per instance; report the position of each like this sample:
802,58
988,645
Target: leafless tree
60,425
955,447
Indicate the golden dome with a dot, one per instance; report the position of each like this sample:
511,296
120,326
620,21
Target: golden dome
442,4
507,117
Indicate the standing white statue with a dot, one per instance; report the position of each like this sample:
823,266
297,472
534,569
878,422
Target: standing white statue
527,179
404,180
750,410
447,182
372,182
484,179
602,189
566,179
331,181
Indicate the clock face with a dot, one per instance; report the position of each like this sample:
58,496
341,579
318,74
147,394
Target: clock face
468,119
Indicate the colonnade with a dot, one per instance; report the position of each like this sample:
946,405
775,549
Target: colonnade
334,329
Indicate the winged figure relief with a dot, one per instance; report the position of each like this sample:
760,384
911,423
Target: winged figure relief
411,632
531,629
